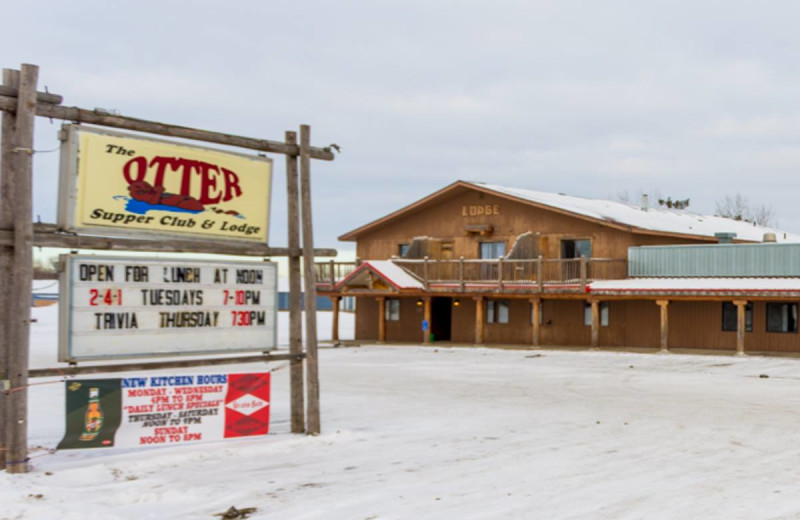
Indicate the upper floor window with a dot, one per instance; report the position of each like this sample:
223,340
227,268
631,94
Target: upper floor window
497,311
781,317
576,248
492,250
392,309
402,249
730,317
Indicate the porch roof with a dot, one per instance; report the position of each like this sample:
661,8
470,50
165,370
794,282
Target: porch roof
386,270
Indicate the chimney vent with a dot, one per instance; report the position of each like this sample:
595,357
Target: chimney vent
645,202
770,238
725,238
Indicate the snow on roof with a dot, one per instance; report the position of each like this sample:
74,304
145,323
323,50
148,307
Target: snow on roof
654,219
696,285
389,271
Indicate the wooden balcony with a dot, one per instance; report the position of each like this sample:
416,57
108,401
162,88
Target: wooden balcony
468,275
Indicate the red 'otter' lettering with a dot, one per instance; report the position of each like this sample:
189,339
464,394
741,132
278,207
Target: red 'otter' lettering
217,184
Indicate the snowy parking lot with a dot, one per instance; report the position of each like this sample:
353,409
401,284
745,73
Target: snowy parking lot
452,433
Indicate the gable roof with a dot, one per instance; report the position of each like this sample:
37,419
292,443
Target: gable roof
388,271
620,215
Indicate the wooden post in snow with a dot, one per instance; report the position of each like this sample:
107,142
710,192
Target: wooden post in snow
741,325
11,80
663,305
312,358
297,398
21,176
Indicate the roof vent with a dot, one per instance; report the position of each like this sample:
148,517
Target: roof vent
725,238
645,202
770,238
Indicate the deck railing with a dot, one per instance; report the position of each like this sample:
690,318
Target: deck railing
331,272
532,272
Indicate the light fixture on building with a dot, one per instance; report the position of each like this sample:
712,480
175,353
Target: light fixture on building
456,303
419,302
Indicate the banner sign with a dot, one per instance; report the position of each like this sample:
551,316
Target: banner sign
127,307
165,410
122,184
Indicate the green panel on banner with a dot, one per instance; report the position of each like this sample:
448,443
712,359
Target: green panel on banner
94,410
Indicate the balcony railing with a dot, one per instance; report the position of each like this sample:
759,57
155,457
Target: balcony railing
519,274
331,272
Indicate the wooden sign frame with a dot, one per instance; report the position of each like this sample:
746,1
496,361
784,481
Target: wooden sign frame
20,103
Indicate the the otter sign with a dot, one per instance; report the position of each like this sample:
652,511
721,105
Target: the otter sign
132,185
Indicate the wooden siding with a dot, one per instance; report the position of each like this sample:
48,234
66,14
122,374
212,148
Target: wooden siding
517,330
444,221
463,324
366,318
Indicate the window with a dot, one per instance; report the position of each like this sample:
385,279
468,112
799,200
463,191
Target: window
402,249
392,309
576,248
730,318
492,250
781,317
541,312
496,311
571,251
587,314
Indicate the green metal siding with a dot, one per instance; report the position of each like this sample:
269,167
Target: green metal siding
715,260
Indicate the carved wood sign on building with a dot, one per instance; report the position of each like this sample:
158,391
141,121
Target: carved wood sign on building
476,210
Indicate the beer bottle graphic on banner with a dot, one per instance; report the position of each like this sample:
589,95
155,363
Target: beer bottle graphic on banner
93,420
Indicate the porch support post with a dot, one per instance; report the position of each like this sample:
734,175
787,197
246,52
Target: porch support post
381,319
536,317
479,320
741,306
595,323
663,304
335,325
428,317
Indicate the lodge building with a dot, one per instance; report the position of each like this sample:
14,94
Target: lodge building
477,263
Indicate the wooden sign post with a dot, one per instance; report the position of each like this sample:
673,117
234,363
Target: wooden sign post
20,103
20,173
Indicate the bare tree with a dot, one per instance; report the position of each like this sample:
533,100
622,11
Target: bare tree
738,207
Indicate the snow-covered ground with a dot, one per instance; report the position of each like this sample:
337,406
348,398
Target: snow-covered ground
441,433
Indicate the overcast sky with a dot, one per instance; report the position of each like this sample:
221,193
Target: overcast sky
695,99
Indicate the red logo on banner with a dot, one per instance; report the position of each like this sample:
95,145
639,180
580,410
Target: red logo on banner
247,405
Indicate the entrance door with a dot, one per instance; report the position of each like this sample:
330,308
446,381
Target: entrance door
442,316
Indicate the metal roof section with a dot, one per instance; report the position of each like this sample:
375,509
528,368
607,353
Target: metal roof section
391,274
697,287
657,219
715,260
652,220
